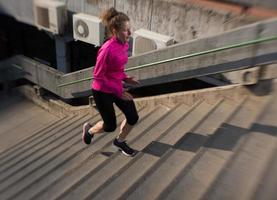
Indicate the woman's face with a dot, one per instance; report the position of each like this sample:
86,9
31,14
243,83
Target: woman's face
124,33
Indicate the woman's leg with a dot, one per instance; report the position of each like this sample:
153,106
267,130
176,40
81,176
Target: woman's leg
130,112
125,129
97,128
131,115
104,104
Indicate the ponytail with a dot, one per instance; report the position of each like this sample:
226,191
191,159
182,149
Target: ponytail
113,19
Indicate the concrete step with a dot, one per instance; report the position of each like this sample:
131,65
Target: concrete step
190,122
78,166
16,126
64,157
193,181
135,172
167,169
245,171
27,111
267,188
191,152
9,107
118,161
27,143
177,113
33,149
134,169
44,158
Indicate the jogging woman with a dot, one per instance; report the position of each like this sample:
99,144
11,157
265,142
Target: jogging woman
107,86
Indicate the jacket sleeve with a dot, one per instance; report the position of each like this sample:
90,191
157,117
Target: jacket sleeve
101,65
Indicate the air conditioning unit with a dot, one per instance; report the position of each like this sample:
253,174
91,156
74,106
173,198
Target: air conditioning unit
88,28
50,15
145,40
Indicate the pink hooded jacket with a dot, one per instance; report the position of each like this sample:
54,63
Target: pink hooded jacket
109,72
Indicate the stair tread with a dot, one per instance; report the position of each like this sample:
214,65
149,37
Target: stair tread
121,160
84,157
164,165
190,152
246,169
166,171
196,181
37,164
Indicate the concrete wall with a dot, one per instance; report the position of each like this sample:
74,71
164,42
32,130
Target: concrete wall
272,4
20,10
190,67
183,20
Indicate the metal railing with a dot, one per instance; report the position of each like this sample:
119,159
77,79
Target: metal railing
227,47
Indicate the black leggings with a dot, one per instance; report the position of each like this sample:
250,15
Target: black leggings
104,103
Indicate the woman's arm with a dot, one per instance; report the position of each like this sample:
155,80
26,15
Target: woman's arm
131,80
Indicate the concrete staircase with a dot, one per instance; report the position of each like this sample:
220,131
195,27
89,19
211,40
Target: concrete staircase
20,120
210,149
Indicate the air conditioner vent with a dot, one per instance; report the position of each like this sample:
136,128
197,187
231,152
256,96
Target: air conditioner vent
43,17
88,28
81,29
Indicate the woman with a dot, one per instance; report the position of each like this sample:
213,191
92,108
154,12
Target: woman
107,85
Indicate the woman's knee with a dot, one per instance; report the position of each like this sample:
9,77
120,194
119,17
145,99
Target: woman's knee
133,120
109,128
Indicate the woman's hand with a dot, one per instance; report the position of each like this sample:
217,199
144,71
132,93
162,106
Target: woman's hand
131,80
127,96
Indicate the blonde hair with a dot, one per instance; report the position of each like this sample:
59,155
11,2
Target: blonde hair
113,19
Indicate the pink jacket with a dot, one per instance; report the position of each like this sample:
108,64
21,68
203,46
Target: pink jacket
109,72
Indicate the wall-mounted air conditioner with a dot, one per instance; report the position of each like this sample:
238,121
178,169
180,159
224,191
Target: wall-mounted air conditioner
145,40
88,28
50,15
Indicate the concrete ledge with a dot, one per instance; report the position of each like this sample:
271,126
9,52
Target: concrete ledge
231,92
181,69
210,95
52,105
190,97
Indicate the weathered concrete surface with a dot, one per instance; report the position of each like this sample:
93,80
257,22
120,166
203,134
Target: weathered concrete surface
20,118
207,64
20,10
197,147
184,20
272,4
232,37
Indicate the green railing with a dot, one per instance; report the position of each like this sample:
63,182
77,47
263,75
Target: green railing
242,44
